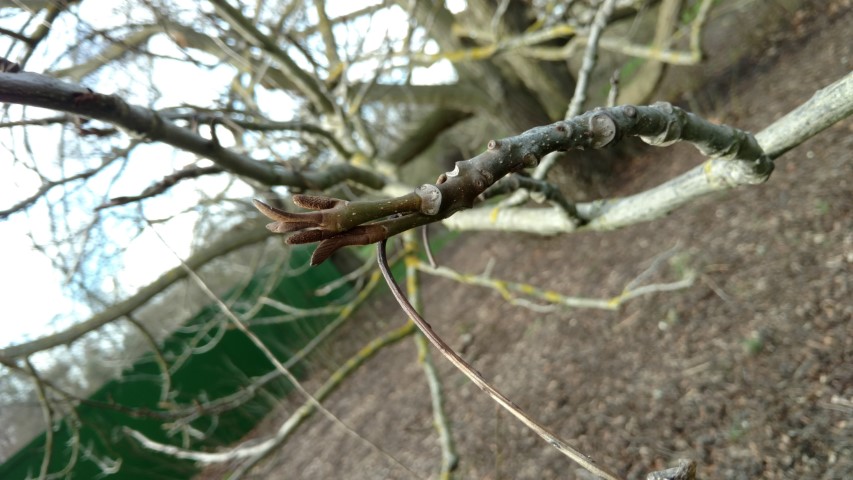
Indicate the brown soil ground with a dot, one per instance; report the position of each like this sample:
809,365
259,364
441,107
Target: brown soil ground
749,371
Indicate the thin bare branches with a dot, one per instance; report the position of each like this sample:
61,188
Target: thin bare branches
240,325
510,291
308,85
236,238
163,185
42,91
449,458
598,24
48,185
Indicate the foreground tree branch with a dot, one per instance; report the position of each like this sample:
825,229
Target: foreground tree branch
736,158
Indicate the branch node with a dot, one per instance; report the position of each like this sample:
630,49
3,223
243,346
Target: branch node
529,160
603,129
430,197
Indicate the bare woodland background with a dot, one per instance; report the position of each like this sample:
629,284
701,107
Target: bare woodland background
747,370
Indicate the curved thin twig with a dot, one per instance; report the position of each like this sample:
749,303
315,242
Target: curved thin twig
475,376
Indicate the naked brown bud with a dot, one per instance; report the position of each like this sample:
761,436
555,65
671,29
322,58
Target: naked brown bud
325,250
287,227
271,212
316,202
361,235
308,236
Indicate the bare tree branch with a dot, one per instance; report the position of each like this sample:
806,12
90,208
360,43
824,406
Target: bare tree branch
736,159
307,84
589,57
236,238
825,108
48,185
240,325
424,134
43,91
163,185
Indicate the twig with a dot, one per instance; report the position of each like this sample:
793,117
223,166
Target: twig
478,379
331,384
48,185
696,29
449,458
162,364
655,266
686,470
427,247
625,47
506,289
598,24
294,313
241,326
614,89
736,159
163,185
539,190
343,279
47,413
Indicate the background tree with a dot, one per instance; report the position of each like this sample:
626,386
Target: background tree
313,98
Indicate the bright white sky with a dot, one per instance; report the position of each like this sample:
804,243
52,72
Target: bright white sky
33,294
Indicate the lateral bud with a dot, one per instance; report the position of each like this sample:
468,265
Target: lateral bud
529,160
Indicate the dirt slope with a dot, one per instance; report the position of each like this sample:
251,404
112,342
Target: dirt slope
749,372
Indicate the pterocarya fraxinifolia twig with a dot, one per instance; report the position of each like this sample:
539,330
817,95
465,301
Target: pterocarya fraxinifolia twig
337,223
